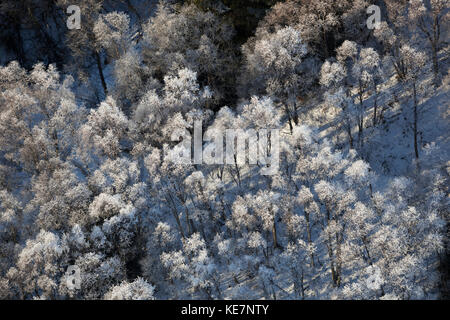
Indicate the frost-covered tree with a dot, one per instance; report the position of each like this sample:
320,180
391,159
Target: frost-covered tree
112,32
194,266
83,44
272,67
40,116
322,24
430,19
332,77
12,231
40,265
104,130
366,72
156,115
139,289
189,38
60,199
132,79
357,69
415,62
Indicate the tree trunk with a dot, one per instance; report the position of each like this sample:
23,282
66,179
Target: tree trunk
177,218
375,105
100,71
325,45
416,148
332,266
274,233
435,64
361,118
308,231
435,47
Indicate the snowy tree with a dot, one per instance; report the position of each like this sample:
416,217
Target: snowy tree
323,24
358,68
82,43
112,32
98,274
37,130
12,231
272,65
162,239
366,71
294,259
192,39
60,199
414,62
105,129
39,267
430,20
156,115
333,77
139,289
131,77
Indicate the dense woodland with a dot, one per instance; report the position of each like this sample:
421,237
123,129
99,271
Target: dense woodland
359,205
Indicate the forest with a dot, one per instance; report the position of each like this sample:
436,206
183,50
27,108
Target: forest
224,149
